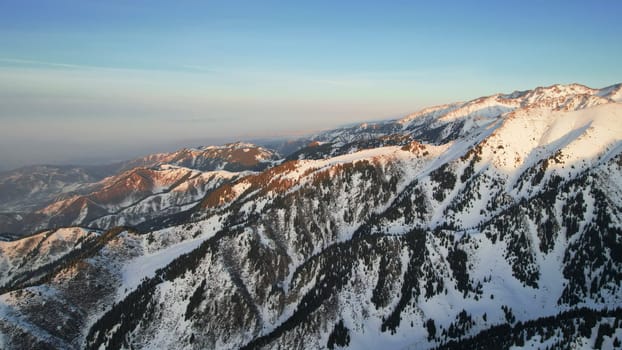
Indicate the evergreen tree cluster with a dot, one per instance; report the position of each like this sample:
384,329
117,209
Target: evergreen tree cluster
565,326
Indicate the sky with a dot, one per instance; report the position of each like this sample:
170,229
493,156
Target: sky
85,81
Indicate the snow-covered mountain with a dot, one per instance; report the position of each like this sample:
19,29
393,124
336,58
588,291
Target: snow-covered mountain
35,198
130,198
238,156
25,188
492,223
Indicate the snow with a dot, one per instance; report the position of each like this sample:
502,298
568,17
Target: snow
613,92
83,213
432,112
40,249
146,265
482,108
9,311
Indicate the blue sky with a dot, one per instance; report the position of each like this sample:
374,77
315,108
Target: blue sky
88,80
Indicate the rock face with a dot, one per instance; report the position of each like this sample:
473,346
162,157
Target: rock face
487,224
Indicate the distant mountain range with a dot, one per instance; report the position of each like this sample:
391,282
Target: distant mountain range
38,197
489,224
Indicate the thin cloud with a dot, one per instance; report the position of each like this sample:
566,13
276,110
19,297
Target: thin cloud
49,64
360,79
200,68
57,64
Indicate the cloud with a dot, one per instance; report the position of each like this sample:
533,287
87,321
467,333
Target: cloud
200,68
27,62
30,63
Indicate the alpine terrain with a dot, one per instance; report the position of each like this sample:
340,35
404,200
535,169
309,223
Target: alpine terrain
489,224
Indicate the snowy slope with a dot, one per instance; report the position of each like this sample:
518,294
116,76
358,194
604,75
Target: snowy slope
33,252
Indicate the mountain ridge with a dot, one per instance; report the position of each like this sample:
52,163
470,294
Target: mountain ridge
418,232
